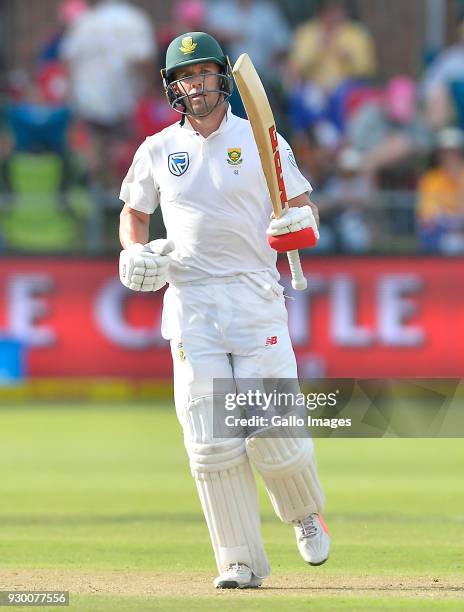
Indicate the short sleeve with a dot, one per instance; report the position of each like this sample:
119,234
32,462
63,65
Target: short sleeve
295,182
139,189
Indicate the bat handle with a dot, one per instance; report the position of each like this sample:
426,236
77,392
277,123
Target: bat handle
298,280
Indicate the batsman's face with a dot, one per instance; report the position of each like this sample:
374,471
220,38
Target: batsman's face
199,84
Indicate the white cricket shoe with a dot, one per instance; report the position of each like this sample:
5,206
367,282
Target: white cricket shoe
313,539
237,576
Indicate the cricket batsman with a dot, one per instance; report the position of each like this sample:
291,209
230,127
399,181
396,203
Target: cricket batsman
224,312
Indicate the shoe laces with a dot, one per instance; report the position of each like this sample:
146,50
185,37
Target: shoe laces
236,567
309,526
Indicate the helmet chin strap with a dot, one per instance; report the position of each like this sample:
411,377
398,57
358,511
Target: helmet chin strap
197,115
208,110
181,101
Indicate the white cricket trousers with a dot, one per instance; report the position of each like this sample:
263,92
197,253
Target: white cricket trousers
224,329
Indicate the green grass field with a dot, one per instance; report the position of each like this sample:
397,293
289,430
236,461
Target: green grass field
99,501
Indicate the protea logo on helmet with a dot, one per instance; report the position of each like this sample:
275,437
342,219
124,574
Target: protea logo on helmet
188,46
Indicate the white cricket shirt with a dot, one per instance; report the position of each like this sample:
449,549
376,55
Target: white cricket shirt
213,196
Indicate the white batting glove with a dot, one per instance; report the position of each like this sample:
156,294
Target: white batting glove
293,220
144,267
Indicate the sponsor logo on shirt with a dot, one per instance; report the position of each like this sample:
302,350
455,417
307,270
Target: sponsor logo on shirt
271,340
178,163
291,158
188,46
234,156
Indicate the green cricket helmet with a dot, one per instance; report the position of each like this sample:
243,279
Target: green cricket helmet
194,48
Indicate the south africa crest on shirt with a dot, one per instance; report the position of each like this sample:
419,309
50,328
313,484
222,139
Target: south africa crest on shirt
178,163
234,156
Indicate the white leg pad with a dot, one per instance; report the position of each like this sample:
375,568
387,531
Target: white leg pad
227,491
288,468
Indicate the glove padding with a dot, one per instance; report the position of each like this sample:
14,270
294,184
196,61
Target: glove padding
144,267
295,229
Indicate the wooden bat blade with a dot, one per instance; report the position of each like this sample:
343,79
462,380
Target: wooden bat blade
262,123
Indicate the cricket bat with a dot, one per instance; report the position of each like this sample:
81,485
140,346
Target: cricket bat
262,122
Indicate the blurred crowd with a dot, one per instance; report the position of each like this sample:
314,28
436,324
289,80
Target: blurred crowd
385,158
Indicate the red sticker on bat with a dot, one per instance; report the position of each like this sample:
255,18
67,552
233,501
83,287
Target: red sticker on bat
278,165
